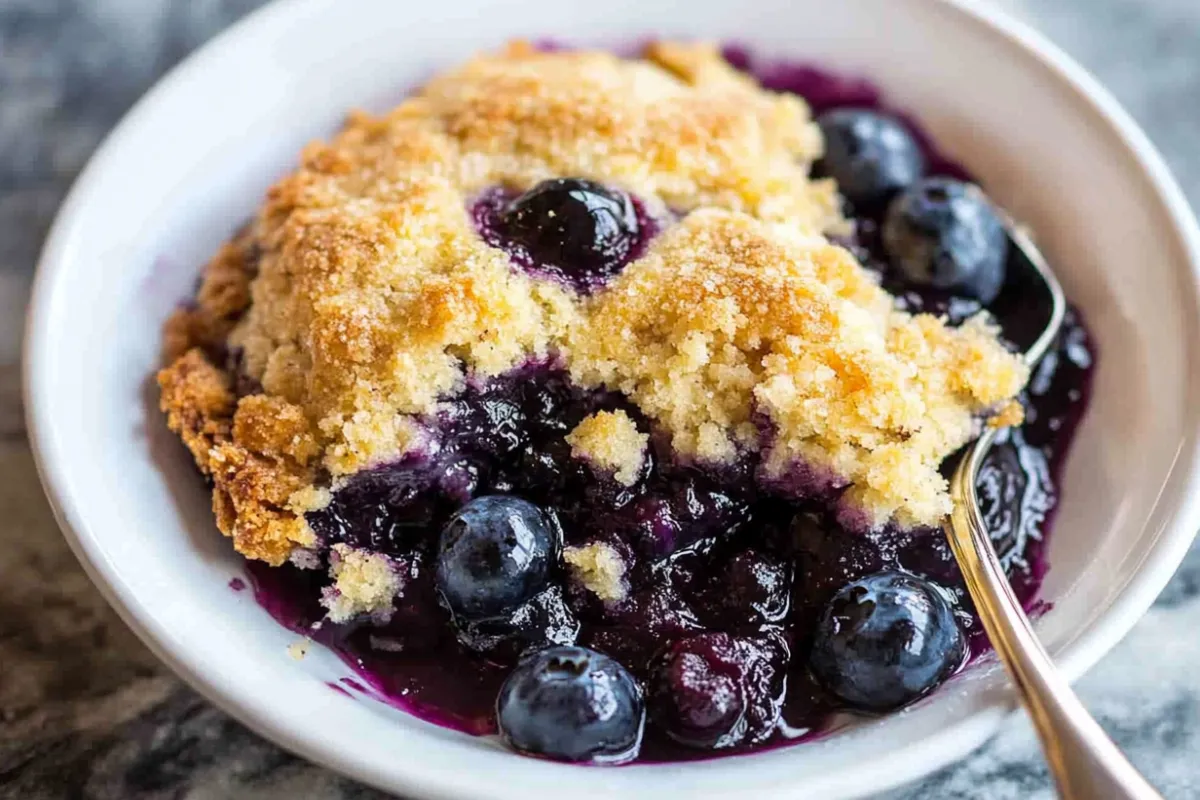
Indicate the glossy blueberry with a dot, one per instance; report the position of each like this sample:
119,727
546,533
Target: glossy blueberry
388,509
572,704
714,691
543,621
576,225
944,234
755,589
886,640
489,422
870,155
493,555
689,512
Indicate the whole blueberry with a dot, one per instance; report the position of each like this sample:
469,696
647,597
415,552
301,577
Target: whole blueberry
544,620
572,704
755,589
870,155
714,691
886,640
945,234
493,555
689,512
580,227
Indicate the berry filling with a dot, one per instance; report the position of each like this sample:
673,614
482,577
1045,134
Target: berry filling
691,581
714,691
604,608
574,230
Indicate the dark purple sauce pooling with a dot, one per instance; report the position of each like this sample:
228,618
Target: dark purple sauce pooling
708,553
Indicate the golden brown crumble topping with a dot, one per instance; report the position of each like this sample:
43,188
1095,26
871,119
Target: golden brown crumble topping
255,451
611,441
199,404
362,294
729,314
1008,415
223,295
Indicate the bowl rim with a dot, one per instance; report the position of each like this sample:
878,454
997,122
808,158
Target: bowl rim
921,757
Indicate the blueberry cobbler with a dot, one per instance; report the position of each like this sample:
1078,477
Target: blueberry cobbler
607,403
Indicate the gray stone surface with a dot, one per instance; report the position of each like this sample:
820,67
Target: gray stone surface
86,712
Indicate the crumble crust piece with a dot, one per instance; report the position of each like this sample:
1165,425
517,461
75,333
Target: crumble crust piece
364,583
599,568
611,441
361,295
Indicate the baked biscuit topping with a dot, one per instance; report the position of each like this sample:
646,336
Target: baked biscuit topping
729,316
599,568
363,295
364,583
611,441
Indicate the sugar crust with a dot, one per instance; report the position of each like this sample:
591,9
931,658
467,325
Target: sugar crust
363,583
599,568
361,295
610,440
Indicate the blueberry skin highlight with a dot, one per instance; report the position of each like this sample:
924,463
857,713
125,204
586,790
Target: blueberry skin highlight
580,227
494,554
698,694
945,234
886,640
872,156
572,704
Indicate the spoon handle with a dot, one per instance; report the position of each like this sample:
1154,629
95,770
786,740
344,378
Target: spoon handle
1086,764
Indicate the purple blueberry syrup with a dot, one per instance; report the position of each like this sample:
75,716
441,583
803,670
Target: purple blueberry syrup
728,579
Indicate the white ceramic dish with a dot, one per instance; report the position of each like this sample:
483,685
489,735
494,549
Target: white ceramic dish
195,156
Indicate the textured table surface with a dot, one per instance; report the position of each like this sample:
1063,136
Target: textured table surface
87,712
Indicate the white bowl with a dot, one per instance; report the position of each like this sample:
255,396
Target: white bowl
194,157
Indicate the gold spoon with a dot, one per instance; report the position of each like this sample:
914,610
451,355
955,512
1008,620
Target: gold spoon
1086,764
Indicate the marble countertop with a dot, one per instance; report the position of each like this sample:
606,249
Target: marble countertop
87,712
